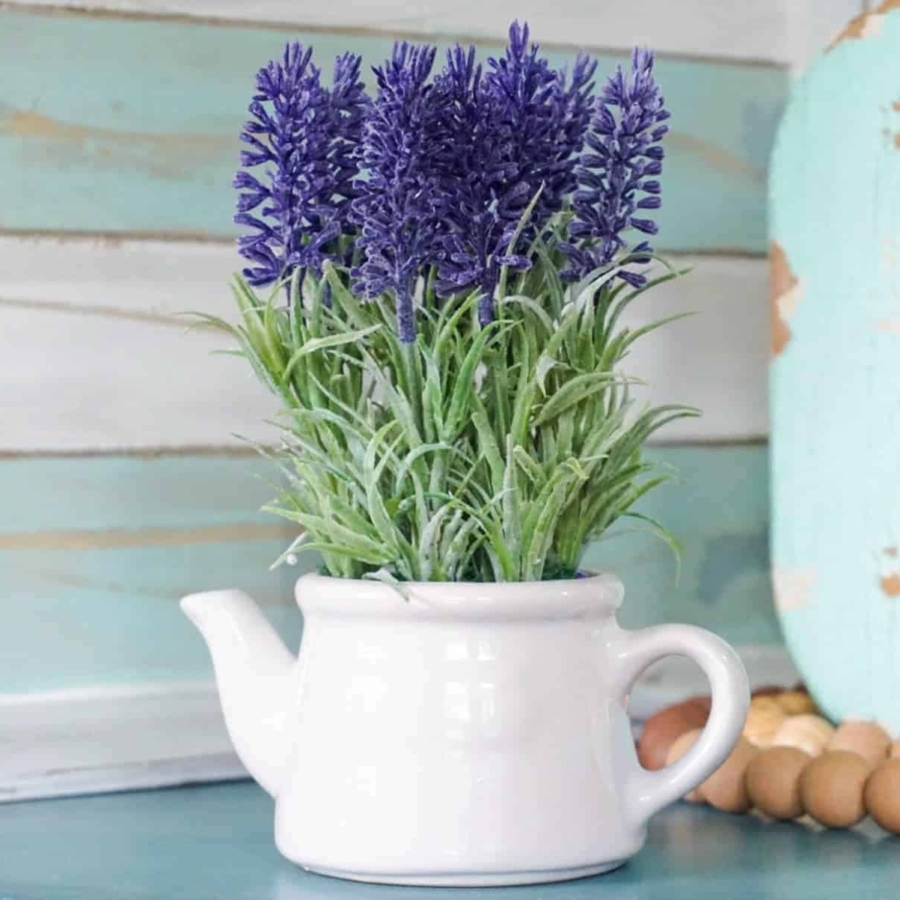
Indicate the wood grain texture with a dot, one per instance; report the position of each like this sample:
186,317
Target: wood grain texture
752,31
211,843
96,356
101,606
718,509
140,134
96,552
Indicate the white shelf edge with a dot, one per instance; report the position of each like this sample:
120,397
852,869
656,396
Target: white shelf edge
130,737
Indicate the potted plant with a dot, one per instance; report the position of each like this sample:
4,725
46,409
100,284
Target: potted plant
445,267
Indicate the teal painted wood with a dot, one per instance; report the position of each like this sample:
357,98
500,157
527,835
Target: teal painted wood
96,551
718,510
836,377
212,843
140,133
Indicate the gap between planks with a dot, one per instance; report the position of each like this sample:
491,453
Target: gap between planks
55,8
115,239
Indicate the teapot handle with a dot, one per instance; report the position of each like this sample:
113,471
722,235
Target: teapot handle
647,792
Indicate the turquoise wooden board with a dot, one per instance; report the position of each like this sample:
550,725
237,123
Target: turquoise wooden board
836,376
118,125
718,510
215,843
95,553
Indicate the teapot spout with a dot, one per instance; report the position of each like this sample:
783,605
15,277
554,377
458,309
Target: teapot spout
254,675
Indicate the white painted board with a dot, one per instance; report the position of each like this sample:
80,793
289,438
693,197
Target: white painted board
96,358
687,27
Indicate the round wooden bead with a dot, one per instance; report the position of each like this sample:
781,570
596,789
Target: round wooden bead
681,746
831,788
868,739
809,733
796,703
882,795
764,718
767,690
773,781
662,729
895,749
725,789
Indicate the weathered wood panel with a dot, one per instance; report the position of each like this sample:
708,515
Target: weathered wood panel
96,356
95,553
127,125
692,27
719,510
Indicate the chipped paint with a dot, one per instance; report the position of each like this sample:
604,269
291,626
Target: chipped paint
792,589
861,27
890,584
785,294
891,551
164,155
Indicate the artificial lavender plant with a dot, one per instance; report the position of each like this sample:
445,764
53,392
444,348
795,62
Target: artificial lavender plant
448,260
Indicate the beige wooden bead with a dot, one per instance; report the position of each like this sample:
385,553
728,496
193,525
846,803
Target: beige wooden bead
773,781
895,749
677,750
882,795
832,786
796,703
809,733
764,718
726,788
868,739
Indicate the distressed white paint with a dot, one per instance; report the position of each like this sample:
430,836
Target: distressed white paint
691,27
96,358
811,25
94,740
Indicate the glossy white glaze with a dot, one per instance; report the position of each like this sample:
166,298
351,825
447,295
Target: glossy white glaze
457,734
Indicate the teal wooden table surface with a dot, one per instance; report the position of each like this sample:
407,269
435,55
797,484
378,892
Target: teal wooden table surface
215,843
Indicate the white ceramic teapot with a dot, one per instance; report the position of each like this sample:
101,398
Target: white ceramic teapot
457,734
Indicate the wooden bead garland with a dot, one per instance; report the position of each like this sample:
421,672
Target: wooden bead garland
789,762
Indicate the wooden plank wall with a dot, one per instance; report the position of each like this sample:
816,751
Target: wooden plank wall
122,485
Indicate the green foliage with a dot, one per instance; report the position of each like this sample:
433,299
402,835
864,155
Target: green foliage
488,454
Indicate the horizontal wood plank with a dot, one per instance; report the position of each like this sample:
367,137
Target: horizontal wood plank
140,134
96,611
97,357
691,27
95,553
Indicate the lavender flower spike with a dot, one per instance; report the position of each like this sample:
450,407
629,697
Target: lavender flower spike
518,131
618,172
306,135
400,207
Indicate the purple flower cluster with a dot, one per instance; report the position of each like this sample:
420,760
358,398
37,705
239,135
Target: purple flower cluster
309,135
434,176
400,210
618,174
512,135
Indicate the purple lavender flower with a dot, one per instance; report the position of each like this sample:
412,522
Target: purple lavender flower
511,133
623,160
308,136
401,206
